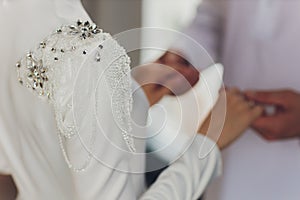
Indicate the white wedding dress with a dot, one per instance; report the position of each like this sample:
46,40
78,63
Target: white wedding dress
85,162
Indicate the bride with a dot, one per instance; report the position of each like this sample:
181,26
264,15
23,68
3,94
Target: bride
65,112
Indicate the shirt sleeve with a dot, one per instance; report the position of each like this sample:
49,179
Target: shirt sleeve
199,42
188,177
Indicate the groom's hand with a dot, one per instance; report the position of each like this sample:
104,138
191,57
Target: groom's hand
285,122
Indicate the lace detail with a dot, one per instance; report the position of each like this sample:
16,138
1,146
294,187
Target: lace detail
50,71
118,77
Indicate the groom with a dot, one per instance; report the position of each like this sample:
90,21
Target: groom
256,41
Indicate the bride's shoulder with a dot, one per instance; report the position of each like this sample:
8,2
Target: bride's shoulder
73,64
60,55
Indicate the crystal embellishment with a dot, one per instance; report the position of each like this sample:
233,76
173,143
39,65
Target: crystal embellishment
50,70
32,70
84,29
37,74
33,73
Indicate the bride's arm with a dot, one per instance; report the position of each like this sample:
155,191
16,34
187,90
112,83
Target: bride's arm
188,177
240,114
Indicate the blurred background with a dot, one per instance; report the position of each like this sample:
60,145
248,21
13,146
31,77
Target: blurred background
116,16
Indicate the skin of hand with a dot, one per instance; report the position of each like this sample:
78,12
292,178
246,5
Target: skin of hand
240,114
171,74
8,188
285,122
177,61
158,80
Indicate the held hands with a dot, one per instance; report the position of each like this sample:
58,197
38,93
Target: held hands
171,78
240,113
285,122
172,74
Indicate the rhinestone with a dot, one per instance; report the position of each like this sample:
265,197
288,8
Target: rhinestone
84,29
43,45
35,84
43,70
83,35
98,58
63,51
97,31
58,31
84,52
94,26
72,27
21,81
55,58
101,46
29,55
79,22
53,50
18,65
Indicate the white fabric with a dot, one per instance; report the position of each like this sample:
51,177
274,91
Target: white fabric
175,182
29,140
4,168
258,44
29,137
174,119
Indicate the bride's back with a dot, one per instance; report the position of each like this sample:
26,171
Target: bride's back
27,126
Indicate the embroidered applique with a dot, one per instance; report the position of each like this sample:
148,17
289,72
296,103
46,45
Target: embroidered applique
50,71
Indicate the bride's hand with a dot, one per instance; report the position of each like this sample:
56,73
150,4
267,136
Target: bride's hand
240,113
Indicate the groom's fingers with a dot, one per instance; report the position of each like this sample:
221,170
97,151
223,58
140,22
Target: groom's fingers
268,97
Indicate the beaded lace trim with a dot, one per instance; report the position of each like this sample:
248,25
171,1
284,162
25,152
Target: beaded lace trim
49,71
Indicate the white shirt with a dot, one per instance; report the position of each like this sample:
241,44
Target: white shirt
29,148
258,44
